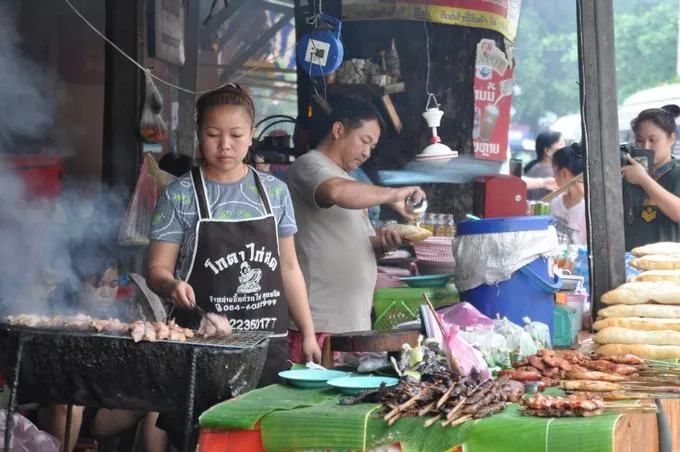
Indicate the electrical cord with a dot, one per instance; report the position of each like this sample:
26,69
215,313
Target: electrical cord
151,74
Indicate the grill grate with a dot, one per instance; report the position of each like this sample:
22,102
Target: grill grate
238,339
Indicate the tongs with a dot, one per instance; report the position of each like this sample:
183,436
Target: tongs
204,315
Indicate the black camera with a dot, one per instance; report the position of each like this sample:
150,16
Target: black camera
644,156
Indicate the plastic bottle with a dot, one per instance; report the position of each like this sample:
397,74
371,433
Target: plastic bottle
581,267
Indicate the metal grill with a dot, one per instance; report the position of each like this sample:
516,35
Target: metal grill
238,339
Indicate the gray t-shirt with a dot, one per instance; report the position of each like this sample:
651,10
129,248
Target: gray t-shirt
334,250
175,217
539,170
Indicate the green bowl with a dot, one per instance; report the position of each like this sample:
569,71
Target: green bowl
427,280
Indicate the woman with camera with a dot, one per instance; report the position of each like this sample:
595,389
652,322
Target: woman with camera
651,200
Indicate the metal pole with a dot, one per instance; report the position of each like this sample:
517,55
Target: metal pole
13,395
189,421
601,140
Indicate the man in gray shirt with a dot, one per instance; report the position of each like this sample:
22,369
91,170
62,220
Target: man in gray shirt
336,246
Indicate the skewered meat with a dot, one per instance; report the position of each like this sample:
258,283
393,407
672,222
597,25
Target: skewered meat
594,375
588,385
573,405
137,330
537,362
215,325
522,375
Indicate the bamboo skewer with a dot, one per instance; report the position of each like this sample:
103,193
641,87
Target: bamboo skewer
445,396
426,409
549,197
431,422
453,362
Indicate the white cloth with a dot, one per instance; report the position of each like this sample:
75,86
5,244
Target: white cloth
570,222
493,258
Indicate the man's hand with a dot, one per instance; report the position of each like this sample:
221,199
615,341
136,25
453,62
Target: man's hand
389,241
310,348
634,173
400,194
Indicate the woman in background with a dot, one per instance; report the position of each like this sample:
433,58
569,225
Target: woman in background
569,209
547,143
94,292
651,202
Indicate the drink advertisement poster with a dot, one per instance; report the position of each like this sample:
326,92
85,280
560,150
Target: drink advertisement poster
493,96
497,15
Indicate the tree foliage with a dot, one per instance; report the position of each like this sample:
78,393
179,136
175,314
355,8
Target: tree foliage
646,40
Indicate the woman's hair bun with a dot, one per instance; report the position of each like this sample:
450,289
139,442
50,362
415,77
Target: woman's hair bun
576,149
672,110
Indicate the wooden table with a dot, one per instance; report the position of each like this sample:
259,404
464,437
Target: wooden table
634,433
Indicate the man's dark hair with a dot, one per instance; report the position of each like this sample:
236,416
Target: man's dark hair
352,113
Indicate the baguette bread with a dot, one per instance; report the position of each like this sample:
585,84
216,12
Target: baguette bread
589,385
660,248
658,311
640,292
638,323
657,262
617,335
658,275
410,232
642,351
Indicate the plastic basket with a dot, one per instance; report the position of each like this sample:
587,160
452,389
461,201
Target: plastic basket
397,305
435,250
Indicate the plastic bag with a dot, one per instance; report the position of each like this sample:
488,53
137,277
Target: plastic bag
464,315
152,126
26,437
519,341
493,346
468,357
150,184
540,333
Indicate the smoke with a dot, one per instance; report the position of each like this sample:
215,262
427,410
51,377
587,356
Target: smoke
38,236
25,106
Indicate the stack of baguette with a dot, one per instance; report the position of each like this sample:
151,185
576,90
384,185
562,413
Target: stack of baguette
643,316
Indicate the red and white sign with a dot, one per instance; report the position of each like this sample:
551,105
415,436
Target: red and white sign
493,96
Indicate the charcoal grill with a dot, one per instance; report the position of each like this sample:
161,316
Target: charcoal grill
112,371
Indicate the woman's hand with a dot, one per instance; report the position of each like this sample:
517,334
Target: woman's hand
634,173
310,348
549,183
182,295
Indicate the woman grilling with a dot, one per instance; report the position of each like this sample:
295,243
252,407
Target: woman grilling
220,216
651,202
569,209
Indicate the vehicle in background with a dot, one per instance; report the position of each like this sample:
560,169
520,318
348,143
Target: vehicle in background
522,143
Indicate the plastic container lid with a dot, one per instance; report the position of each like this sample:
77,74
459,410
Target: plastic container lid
508,224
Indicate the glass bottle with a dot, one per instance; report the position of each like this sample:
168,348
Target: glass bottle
438,225
450,226
427,223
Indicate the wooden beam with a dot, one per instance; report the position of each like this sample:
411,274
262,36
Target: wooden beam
122,95
603,175
188,78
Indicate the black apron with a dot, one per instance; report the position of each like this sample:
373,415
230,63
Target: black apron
236,271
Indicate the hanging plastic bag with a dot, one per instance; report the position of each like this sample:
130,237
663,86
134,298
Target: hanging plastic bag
150,184
152,126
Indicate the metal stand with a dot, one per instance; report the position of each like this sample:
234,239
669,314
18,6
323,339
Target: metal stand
13,395
665,438
189,422
67,428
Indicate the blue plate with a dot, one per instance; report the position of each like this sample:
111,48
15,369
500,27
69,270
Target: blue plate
356,385
427,280
310,378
